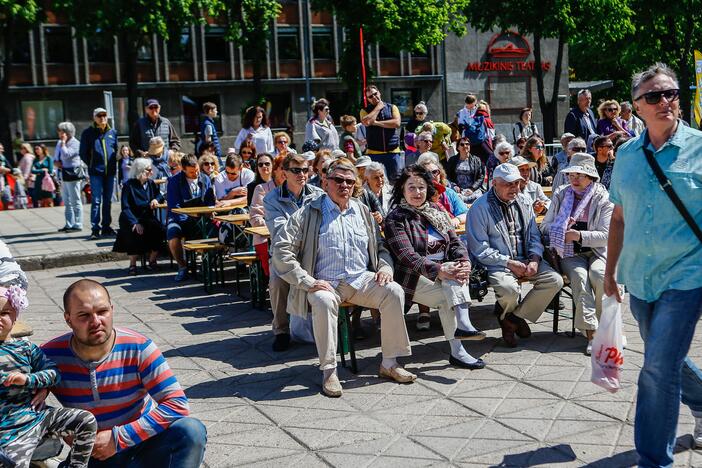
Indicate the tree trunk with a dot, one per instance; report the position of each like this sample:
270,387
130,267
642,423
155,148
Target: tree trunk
685,76
130,47
549,110
5,135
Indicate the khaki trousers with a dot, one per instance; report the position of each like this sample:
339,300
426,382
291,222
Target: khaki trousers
546,283
586,274
389,299
278,290
443,295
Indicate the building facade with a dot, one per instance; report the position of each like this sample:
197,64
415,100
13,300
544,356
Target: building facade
57,76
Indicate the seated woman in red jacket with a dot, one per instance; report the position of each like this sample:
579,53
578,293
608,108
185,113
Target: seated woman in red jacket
431,264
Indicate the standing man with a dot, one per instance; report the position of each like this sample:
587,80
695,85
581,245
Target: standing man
580,121
208,131
98,149
122,378
633,123
152,125
655,253
331,251
382,121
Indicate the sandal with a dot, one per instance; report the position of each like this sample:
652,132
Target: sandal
132,270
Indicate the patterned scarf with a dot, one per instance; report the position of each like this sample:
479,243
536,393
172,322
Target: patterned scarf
564,220
439,219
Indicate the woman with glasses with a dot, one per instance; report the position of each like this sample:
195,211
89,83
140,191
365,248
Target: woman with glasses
320,128
577,226
418,117
524,127
264,173
535,151
431,263
270,174
610,124
503,153
281,141
139,230
43,166
248,151
209,165
322,157
256,130
466,172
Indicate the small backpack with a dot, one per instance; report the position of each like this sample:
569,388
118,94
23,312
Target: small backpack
475,130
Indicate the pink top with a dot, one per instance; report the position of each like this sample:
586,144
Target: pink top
256,212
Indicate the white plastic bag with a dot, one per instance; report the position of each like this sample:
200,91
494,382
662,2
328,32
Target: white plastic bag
301,329
607,346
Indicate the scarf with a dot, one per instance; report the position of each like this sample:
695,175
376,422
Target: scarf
439,219
564,220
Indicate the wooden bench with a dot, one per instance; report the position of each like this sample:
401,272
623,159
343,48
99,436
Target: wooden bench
256,277
21,330
212,261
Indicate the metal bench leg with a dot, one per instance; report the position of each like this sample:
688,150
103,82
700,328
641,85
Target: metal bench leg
556,311
352,346
343,335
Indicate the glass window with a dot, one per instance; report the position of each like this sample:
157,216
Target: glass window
40,119
279,110
179,47
58,45
21,50
145,52
387,53
322,43
215,45
405,99
339,104
101,49
288,44
192,110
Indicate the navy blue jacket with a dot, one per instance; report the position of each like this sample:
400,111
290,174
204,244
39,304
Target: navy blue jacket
136,202
99,150
575,123
178,194
204,123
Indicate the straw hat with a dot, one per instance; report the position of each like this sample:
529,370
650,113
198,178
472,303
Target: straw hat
156,146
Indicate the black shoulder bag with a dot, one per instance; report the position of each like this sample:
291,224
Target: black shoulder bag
667,187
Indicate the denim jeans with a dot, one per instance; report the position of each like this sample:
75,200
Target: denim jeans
182,445
394,164
667,326
102,187
73,204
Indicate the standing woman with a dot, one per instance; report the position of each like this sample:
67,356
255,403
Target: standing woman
256,130
139,230
264,173
43,166
25,166
524,127
535,151
126,158
431,264
320,128
68,156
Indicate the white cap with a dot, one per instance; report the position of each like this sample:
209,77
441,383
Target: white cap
99,110
507,172
308,155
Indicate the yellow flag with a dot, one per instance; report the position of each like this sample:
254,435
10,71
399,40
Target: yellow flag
698,93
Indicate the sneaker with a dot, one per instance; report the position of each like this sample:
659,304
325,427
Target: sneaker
95,235
64,229
182,274
75,229
423,322
697,432
588,349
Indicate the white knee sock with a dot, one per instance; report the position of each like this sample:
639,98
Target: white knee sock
463,317
460,353
389,363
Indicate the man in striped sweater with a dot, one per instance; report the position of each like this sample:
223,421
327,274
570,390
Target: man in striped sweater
123,379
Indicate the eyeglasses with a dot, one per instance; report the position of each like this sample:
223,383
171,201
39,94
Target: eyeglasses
264,164
654,97
372,95
342,180
281,142
576,175
235,173
299,170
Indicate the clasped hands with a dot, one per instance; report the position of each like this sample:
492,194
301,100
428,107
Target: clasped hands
457,271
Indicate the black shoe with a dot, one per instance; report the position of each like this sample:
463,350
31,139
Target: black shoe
95,235
281,342
475,335
132,270
64,229
359,333
479,364
108,232
523,330
75,229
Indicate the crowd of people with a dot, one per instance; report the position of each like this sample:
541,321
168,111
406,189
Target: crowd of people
353,218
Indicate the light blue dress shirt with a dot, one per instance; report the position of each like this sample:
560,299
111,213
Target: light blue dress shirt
343,245
660,250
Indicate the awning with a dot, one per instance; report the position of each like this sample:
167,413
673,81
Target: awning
592,86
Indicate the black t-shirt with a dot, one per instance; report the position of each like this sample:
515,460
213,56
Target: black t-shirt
600,166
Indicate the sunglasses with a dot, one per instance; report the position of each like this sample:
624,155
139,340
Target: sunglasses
173,168
343,180
579,148
232,173
539,147
299,170
154,107
436,172
654,97
420,113
466,144
264,164
504,153
611,109
207,163
101,116
149,170
281,142
606,146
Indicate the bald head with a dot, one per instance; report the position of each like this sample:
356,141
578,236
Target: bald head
83,285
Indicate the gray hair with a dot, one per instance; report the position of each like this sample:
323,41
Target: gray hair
625,105
139,166
566,136
584,92
428,157
374,167
503,145
421,107
68,128
579,142
657,68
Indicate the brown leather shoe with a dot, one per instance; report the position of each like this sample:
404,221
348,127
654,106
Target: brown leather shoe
508,329
523,330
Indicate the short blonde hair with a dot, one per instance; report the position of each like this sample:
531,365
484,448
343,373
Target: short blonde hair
209,158
610,102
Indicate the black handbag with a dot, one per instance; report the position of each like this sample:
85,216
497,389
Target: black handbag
478,282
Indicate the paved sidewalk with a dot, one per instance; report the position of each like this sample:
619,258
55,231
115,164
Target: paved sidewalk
531,406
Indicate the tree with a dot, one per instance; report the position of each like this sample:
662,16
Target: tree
15,17
133,22
411,25
602,20
249,24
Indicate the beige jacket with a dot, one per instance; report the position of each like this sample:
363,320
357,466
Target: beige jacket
599,216
295,251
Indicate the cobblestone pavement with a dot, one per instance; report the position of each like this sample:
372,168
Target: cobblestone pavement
531,406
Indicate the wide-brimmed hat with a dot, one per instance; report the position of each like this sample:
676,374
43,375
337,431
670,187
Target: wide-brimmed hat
520,161
156,146
582,163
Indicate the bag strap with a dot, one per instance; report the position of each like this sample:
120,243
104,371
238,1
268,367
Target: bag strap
667,187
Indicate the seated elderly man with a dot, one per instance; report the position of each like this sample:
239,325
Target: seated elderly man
503,236
185,189
278,206
331,251
532,191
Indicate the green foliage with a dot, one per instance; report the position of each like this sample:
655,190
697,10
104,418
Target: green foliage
250,21
26,11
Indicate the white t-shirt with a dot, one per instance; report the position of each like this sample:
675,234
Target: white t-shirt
223,185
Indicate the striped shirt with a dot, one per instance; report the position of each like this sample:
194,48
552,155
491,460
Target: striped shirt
131,391
343,245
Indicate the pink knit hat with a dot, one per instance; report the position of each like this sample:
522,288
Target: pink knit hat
16,296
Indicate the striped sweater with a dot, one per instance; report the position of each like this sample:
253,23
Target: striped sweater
131,391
